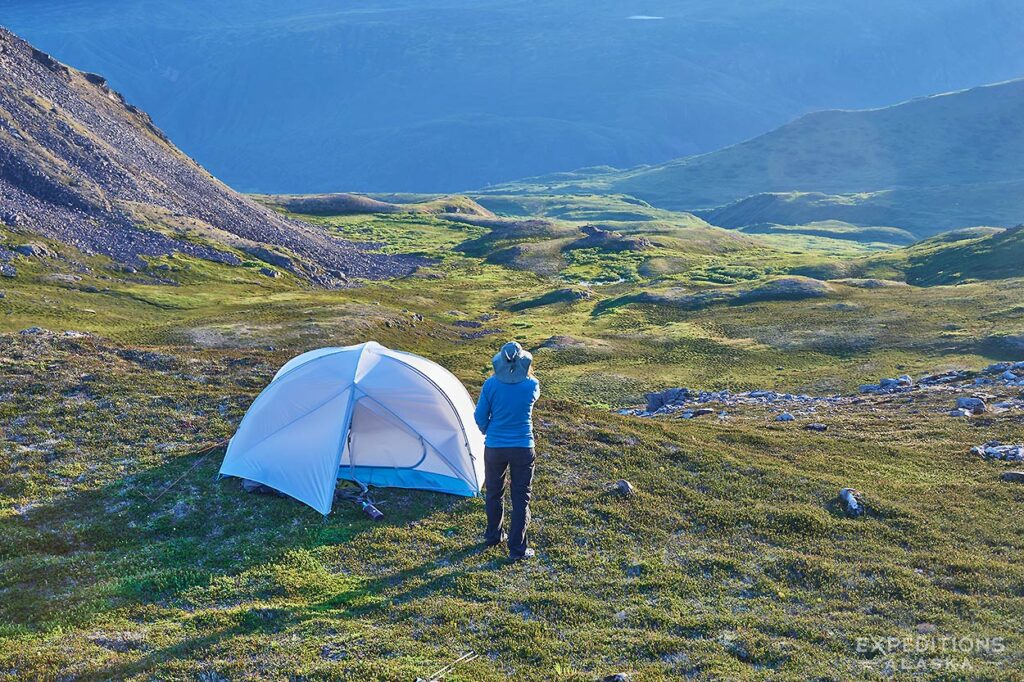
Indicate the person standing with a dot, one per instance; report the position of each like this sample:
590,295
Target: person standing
504,414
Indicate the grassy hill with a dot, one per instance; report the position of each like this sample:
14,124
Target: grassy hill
964,256
926,165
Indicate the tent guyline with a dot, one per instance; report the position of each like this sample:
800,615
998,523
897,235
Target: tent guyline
363,413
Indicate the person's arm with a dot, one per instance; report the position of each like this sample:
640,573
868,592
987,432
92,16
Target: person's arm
482,415
536,390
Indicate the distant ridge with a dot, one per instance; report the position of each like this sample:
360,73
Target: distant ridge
928,164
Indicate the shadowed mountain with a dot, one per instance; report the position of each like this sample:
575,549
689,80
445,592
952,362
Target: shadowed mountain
372,95
926,165
80,165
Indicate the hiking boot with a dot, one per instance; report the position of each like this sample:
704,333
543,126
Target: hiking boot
528,553
495,543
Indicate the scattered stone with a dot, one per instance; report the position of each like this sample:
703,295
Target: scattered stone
622,487
960,413
820,428
1013,476
973,405
270,272
852,501
7,270
33,331
703,411
996,450
1008,376
785,417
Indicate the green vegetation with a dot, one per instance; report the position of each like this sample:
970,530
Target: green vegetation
120,560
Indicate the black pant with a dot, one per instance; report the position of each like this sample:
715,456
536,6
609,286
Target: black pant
519,463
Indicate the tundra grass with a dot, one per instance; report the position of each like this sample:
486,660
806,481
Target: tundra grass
124,558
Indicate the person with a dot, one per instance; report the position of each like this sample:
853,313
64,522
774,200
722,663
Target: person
504,414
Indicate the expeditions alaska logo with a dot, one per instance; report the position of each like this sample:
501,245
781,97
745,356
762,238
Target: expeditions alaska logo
926,653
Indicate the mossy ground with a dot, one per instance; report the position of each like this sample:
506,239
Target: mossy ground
731,562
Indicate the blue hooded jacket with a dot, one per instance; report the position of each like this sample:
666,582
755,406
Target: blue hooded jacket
504,412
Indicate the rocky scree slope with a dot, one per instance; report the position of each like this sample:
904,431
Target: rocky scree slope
80,165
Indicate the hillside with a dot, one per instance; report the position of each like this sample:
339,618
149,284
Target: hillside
929,164
395,95
80,165
960,257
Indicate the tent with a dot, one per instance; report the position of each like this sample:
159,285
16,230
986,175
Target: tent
364,413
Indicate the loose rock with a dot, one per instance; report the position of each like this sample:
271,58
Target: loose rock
622,487
785,417
1013,476
973,405
852,501
996,450
821,428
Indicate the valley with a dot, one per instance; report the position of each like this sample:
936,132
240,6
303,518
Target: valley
144,305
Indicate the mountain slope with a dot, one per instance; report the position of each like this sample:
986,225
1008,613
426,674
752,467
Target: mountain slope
967,255
933,163
80,165
396,95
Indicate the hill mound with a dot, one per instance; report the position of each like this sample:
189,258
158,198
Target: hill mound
976,255
345,204
80,165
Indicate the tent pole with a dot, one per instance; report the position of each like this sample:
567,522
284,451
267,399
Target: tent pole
345,439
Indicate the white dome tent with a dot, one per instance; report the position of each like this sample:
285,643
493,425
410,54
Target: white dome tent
363,413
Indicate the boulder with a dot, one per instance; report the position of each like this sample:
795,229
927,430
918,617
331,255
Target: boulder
622,488
973,405
35,250
269,272
996,450
785,417
820,428
851,501
959,413
7,270
670,396
1013,476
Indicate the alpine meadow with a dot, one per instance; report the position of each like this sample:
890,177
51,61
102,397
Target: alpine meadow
766,259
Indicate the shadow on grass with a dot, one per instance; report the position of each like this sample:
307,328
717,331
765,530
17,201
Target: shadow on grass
114,546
